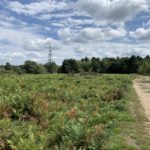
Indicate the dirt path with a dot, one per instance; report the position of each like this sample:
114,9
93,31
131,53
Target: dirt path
142,87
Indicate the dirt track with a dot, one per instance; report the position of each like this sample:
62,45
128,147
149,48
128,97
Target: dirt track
142,87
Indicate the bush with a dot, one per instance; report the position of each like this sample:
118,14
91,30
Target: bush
34,68
51,67
115,94
70,66
60,111
144,68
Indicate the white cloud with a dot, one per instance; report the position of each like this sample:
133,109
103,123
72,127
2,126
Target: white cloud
15,39
35,8
112,11
86,30
107,49
58,25
141,34
65,34
68,13
91,34
101,34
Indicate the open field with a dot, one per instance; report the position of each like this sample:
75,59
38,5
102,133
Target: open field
94,112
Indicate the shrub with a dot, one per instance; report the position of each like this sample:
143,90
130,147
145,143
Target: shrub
60,111
144,68
115,94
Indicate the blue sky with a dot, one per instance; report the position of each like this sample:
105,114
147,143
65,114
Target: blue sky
75,29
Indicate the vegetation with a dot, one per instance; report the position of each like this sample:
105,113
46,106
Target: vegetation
144,68
69,66
33,67
51,67
64,112
125,65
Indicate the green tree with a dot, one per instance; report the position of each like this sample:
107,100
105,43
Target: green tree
96,65
18,70
33,67
70,66
51,67
144,68
133,65
84,65
8,66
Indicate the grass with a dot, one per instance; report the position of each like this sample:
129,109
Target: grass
57,112
135,131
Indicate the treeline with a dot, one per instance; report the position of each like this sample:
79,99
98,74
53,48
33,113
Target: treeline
124,65
29,67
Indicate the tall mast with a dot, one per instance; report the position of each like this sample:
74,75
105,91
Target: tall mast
50,54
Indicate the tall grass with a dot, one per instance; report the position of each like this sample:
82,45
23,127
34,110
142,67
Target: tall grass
61,112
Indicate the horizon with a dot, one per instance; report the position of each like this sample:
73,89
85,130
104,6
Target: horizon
75,29
101,59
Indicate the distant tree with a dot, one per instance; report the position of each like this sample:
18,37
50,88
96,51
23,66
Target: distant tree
8,66
85,59
33,67
144,68
70,66
133,65
105,65
18,70
147,57
51,67
41,69
84,65
96,65
116,66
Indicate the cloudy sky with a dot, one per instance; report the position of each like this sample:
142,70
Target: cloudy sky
75,29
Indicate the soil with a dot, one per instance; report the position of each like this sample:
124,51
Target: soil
142,87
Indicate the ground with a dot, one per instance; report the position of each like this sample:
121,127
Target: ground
142,87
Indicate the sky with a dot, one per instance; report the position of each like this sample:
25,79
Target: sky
74,28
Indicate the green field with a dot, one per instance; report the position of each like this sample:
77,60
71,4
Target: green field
64,112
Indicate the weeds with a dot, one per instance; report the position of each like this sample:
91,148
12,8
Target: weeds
60,111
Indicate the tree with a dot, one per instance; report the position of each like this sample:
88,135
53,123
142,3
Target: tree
144,68
133,65
18,70
70,66
8,66
84,65
51,67
85,59
105,65
96,65
33,67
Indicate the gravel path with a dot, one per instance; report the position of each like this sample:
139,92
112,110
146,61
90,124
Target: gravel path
142,87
